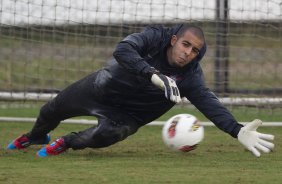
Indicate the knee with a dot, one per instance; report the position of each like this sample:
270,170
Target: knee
112,135
105,134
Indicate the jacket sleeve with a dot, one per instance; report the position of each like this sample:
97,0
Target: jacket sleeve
130,52
207,103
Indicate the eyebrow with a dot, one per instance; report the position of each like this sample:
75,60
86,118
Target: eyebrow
192,45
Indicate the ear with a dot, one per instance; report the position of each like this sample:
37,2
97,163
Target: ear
173,40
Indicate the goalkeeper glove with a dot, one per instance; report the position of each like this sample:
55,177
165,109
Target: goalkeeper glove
168,85
163,82
253,140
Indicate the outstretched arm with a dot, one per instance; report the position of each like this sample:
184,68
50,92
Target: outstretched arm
211,107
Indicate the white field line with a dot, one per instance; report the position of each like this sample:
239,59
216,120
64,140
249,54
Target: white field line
94,122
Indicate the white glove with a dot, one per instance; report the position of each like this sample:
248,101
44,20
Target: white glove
168,85
255,141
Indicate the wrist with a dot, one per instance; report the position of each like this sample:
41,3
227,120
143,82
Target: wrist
148,72
236,131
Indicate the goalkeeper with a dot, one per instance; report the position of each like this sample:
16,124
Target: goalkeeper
150,72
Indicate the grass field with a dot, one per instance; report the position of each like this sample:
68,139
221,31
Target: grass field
142,158
242,113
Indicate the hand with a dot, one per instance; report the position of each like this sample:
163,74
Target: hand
255,141
168,85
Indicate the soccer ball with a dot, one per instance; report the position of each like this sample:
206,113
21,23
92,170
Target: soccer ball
182,132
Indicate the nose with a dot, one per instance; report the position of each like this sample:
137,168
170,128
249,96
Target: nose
188,50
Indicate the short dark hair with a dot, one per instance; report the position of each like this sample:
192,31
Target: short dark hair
197,31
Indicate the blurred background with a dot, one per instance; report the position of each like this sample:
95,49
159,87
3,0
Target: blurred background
47,44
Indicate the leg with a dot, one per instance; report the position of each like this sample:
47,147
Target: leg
49,118
46,121
72,101
107,132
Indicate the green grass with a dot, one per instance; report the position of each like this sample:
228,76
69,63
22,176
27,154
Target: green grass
240,113
142,158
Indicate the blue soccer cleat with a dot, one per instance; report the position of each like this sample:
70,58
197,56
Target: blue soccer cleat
23,142
55,148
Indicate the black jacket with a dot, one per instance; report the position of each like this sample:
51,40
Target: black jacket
124,83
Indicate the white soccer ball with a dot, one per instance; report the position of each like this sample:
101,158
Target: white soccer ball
182,132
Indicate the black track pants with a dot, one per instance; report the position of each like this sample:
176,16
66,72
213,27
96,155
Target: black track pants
79,100
105,134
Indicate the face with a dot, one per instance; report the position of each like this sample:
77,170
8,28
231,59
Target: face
184,49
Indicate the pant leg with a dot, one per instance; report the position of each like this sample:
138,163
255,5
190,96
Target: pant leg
70,102
106,133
